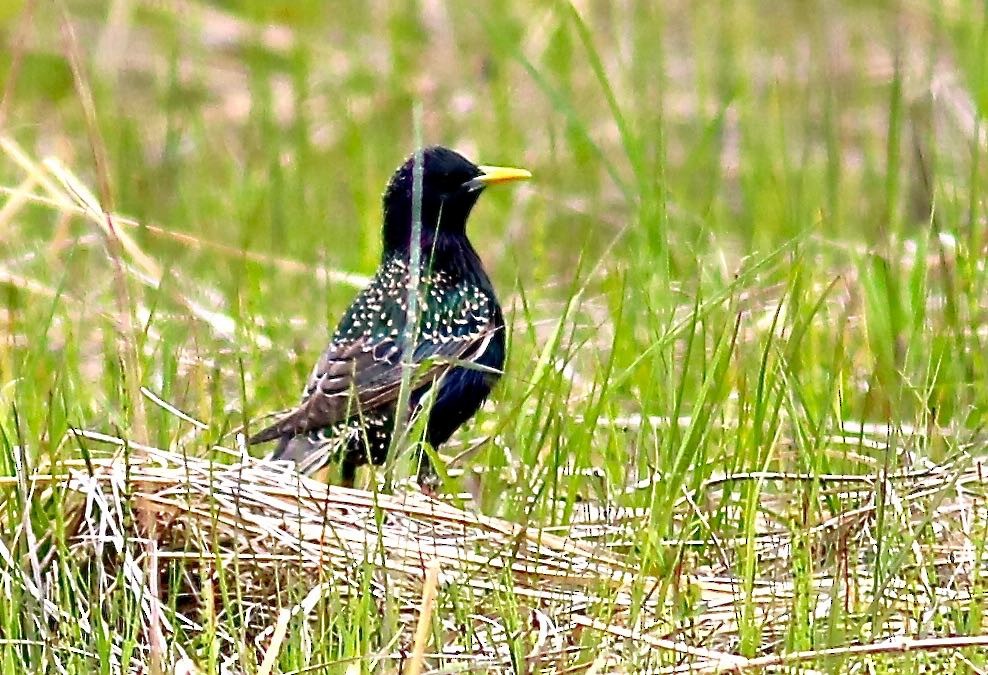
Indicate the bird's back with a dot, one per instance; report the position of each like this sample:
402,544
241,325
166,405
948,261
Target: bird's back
349,399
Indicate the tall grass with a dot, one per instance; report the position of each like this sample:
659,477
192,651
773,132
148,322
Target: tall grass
746,291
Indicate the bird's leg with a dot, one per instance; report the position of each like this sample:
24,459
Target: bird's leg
428,478
348,469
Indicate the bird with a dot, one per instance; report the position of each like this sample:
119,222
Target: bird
347,412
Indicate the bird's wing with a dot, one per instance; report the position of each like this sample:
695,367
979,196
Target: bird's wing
361,369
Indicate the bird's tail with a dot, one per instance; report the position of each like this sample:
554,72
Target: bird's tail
309,454
267,434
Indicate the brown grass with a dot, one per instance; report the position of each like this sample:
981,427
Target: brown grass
294,548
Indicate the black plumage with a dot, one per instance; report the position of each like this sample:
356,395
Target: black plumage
348,406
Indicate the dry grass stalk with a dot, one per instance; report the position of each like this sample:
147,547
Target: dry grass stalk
429,589
279,529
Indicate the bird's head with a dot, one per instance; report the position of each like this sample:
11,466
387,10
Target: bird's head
451,185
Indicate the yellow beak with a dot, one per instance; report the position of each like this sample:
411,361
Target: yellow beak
493,175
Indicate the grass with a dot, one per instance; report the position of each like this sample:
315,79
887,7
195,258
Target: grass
746,290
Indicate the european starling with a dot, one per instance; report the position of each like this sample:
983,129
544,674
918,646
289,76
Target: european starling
347,412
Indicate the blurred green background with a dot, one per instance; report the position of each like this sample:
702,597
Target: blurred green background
755,239
704,172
